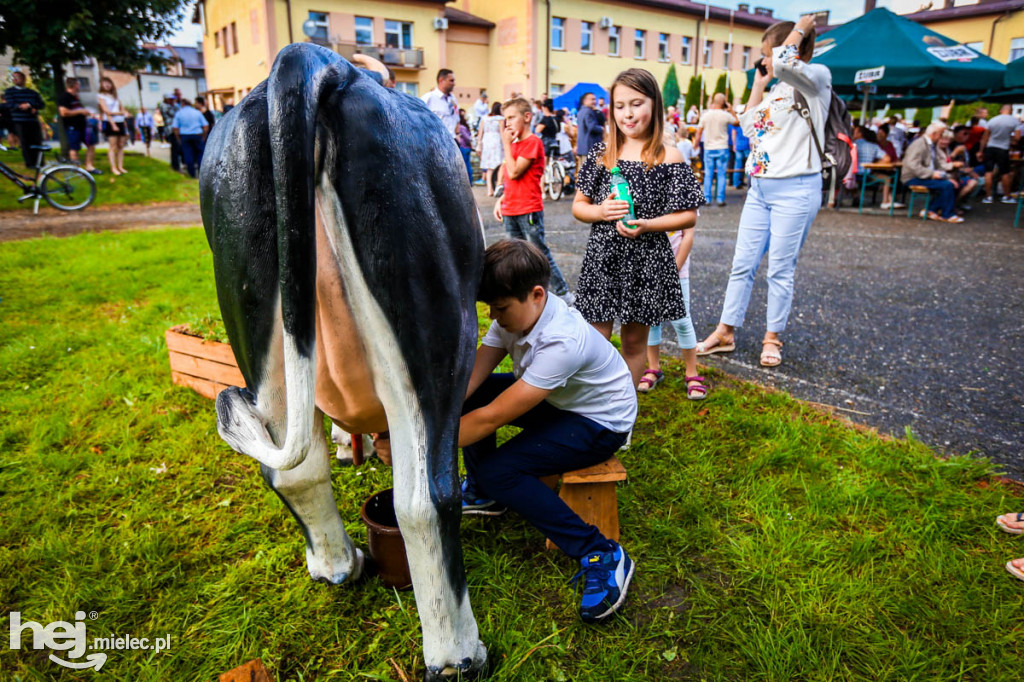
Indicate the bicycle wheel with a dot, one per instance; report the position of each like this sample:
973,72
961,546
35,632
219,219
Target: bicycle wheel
557,183
68,188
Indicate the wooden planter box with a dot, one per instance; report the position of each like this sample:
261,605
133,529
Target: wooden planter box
207,367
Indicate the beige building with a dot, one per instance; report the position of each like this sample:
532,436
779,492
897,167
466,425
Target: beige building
528,47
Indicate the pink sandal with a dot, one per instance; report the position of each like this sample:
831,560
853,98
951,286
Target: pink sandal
649,380
698,391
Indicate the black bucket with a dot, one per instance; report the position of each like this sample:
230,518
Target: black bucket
387,549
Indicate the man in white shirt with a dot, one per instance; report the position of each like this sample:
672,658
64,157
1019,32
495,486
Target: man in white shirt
442,102
571,393
480,109
714,130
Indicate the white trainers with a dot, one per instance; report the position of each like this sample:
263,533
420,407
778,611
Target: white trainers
1007,200
987,200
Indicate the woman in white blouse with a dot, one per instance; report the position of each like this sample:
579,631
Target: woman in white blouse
785,186
114,127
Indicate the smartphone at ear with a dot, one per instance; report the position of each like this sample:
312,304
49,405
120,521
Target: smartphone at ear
759,65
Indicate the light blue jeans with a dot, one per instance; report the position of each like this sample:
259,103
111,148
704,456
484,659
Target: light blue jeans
776,218
685,336
716,162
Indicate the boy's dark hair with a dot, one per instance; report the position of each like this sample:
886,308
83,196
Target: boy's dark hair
442,73
884,128
512,268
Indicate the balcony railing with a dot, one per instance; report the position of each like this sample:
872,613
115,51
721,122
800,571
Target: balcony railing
395,57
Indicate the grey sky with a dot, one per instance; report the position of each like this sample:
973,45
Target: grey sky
841,11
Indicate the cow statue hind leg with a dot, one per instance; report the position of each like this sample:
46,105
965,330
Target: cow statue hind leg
322,161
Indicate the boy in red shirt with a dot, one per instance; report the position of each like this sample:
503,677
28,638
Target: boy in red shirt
521,208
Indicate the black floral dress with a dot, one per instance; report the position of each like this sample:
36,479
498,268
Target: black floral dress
634,280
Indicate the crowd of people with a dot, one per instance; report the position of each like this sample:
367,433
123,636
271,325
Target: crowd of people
572,393
177,123
567,378
958,162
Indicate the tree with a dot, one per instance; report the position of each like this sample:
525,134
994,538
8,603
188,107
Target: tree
47,34
670,91
723,86
693,94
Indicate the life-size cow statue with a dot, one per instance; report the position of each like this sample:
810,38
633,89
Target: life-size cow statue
347,250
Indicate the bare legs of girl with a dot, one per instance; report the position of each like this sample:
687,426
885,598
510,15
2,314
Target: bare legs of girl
634,345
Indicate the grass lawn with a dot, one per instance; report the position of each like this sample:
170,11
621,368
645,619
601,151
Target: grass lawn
772,542
148,181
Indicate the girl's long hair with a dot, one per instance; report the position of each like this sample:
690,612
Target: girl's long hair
653,152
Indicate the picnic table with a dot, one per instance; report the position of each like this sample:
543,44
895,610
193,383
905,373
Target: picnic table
891,171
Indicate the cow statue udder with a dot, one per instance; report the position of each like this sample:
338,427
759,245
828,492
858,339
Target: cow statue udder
347,250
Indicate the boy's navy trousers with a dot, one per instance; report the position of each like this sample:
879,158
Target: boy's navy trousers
552,441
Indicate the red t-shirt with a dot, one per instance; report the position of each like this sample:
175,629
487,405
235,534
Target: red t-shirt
523,195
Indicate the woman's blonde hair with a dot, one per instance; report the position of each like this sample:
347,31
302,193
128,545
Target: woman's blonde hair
643,82
103,90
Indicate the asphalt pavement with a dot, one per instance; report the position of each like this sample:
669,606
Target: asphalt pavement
898,323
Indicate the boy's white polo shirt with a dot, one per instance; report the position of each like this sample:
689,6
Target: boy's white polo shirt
583,371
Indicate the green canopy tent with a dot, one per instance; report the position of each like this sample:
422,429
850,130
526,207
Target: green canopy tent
1013,84
902,62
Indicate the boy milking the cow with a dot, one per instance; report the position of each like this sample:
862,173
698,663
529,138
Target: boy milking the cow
571,393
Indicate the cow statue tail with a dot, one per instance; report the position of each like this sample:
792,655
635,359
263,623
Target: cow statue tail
294,89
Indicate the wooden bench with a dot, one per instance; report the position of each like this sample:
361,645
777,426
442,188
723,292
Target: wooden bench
591,493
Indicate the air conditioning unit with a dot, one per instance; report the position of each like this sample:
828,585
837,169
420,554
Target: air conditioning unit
605,22
440,24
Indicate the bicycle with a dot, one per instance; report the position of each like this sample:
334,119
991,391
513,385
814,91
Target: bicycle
63,185
553,180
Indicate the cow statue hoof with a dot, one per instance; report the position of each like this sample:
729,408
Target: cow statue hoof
474,668
321,571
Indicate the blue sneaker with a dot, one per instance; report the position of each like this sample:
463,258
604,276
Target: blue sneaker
606,579
474,505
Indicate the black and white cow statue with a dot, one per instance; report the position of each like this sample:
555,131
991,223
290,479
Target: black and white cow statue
347,250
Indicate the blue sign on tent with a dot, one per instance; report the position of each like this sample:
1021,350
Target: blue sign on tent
571,98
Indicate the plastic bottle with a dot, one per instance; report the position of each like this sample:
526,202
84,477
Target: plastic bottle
620,188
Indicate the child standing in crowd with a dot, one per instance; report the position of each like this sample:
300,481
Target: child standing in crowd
628,272
686,337
521,208
488,146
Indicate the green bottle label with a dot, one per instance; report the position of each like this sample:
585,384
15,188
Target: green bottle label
620,188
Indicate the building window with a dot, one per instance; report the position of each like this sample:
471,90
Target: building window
364,31
398,34
154,86
1016,49
216,39
727,55
234,39
557,33
408,88
224,41
746,58
319,20
586,36
556,90
662,47
640,44
687,47
613,40
709,45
